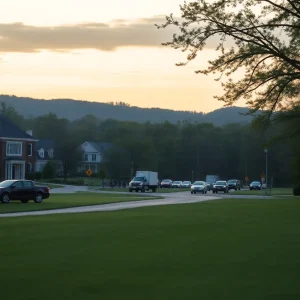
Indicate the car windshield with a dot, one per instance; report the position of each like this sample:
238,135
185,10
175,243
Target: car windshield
232,181
138,178
199,183
6,183
255,183
220,182
167,180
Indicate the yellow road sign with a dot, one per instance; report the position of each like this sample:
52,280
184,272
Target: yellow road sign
246,178
88,172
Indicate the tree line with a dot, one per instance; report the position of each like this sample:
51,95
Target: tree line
182,151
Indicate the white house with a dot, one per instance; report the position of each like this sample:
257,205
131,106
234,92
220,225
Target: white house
45,152
93,155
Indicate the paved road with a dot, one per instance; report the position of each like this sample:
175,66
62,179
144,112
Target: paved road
169,198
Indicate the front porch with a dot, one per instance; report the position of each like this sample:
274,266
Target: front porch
15,169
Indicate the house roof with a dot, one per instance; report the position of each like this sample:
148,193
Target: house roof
8,129
101,146
45,144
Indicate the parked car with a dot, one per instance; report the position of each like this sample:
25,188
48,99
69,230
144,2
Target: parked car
255,185
176,184
220,186
233,184
22,190
186,184
199,187
166,183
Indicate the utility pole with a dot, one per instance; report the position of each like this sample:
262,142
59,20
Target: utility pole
266,179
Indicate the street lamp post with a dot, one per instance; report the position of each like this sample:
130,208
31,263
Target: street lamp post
192,176
266,179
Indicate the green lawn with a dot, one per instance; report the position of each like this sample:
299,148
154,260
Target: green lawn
274,192
225,249
70,200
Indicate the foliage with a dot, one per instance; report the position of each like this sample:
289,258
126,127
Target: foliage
34,176
175,151
69,181
101,174
296,190
49,170
258,46
11,113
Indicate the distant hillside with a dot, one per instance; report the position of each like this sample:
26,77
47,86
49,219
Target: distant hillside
76,109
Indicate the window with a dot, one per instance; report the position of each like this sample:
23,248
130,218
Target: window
86,157
14,148
94,157
50,153
29,149
18,184
41,153
27,184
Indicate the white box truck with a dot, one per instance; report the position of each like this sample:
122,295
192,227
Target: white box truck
144,181
211,180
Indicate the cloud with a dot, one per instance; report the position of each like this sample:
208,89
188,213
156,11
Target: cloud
19,37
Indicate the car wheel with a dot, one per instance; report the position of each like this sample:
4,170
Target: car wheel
24,200
205,192
192,192
38,198
153,190
143,190
5,198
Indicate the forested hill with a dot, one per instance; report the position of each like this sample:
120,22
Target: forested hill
75,109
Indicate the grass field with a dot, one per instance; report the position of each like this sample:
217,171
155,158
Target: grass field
70,200
227,249
273,192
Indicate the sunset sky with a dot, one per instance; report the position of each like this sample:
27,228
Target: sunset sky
99,51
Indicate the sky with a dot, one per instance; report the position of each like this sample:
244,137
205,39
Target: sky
96,50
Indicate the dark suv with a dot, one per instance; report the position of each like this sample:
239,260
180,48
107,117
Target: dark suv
233,184
220,186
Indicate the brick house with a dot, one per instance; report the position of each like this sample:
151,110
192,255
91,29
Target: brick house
17,151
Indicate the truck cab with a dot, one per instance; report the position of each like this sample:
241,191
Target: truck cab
144,181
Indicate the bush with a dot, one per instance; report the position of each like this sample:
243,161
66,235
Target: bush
71,181
296,190
34,176
49,170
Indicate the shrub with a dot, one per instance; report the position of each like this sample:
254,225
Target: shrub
34,176
296,190
49,170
